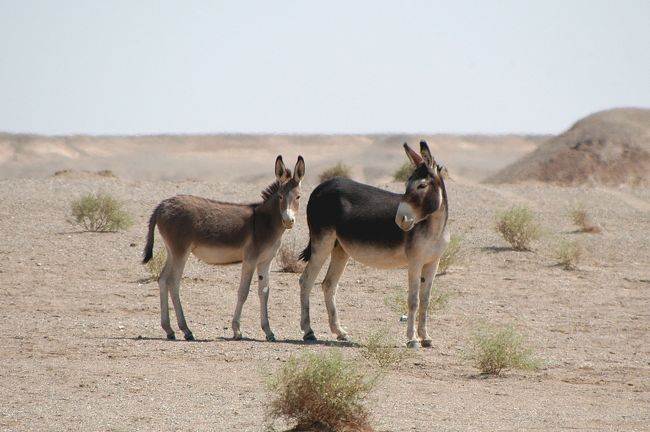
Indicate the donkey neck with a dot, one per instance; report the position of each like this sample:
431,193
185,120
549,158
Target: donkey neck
434,225
267,216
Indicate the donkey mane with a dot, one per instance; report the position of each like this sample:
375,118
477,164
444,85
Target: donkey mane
274,187
270,190
445,200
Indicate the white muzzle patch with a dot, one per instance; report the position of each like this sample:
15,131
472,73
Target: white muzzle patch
405,216
288,218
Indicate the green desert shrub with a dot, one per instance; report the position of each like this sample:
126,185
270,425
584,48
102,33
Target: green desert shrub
321,392
582,219
497,348
156,264
398,302
338,170
451,255
568,254
403,172
100,212
106,173
517,226
382,350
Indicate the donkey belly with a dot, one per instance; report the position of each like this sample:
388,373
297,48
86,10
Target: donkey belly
218,254
374,255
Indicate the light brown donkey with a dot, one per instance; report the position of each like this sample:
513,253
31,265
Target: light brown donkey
225,233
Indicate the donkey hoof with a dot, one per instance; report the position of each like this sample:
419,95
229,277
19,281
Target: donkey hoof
412,344
343,337
189,337
309,336
237,336
171,336
270,338
426,343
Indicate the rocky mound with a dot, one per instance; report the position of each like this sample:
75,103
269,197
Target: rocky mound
606,148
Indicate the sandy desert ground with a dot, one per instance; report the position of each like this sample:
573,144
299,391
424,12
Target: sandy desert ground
82,348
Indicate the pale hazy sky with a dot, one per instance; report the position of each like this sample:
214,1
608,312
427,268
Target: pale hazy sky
142,67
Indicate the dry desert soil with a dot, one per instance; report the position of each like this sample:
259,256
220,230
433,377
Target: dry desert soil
82,349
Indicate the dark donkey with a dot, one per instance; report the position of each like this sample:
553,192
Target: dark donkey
225,233
380,229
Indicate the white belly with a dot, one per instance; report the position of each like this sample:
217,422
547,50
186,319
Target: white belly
374,256
218,255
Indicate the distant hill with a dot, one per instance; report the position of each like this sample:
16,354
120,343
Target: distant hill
606,148
239,157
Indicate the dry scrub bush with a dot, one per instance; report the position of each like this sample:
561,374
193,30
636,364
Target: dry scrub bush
321,392
497,348
568,254
338,170
106,173
157,263
451,255
517,226
582,220
398,301
287,258
100,212
403,172
380,349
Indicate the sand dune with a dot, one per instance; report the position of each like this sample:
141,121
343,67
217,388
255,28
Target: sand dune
609,147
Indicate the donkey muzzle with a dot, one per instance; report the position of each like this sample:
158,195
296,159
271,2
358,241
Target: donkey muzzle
405,217
288,219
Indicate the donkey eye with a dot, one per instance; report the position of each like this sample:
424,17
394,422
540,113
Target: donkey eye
298,197
422,185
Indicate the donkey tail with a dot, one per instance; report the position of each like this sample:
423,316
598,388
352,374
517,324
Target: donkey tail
148,248
305,255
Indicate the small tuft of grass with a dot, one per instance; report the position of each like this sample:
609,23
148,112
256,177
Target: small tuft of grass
403,172
398,303
582,219
287,258
100,212
321,392
338,170
497,348
106,173
451,256
568,254
517,226
156,264
380,349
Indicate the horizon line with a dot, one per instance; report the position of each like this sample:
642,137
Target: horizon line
319,134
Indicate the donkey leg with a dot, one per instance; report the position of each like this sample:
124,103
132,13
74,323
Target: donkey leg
414,272
247,270
163,282
426,281
339,259
263,293
178,265
321,247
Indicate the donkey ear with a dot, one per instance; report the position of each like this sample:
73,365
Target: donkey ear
299,170
415,158
280,169
426,154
